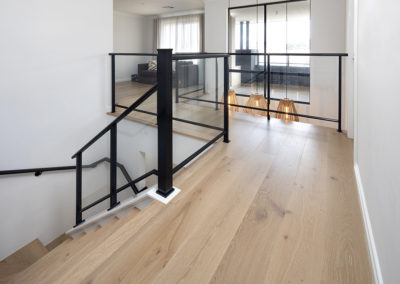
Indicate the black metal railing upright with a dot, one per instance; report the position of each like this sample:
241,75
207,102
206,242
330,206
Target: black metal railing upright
165,118
112,128
164,122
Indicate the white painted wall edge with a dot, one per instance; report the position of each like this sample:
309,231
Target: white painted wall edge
373,253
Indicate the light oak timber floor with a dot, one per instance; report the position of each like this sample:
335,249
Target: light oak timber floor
278,204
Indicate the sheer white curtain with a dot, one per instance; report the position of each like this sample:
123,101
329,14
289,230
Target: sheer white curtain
182,34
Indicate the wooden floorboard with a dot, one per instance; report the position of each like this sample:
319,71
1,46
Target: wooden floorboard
278,204
22,258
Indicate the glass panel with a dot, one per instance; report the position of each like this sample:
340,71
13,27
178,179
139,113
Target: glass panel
322,90
298,79
96,179
197,104
276,31
137,149
246,31
298,30
198,90
133,77
288,31
279,77
136,155
290,81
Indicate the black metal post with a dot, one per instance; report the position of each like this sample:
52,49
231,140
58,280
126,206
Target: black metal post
176,82
340,96
241,35
216,84
265,78
112,83
204,76
164,120
226,107
78,207
269,87
248,35
113,167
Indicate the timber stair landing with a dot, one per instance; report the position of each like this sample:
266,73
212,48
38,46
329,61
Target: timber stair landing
89,250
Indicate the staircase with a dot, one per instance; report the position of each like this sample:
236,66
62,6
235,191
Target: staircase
103,241
77,260
22,259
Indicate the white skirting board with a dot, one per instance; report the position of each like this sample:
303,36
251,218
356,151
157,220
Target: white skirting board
139,201
373,253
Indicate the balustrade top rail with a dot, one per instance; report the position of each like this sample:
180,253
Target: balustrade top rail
181,56
178,56
289,54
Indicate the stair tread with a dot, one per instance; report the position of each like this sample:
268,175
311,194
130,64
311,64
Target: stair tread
22,258
58,254
62,258
78,271
58,241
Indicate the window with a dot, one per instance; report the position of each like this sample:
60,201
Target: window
182,34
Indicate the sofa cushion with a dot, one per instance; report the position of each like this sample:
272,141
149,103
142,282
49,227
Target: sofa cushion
149,73
152,65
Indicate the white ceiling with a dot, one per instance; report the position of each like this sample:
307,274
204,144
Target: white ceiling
155,7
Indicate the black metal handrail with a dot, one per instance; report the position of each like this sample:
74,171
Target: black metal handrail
177,56
290,54
136,104
39,171
132,54
192,56
36,171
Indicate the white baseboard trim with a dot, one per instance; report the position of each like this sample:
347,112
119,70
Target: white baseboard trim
373,253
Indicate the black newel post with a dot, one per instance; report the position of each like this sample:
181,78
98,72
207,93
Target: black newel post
164,121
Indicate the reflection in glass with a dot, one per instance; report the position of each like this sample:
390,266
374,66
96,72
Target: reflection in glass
283,28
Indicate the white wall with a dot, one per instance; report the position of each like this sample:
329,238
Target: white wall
328,34
132,34
54,95
377,127
54,87
349,68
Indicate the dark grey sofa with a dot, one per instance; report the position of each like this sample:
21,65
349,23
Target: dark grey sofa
188,74
146,76
280,75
